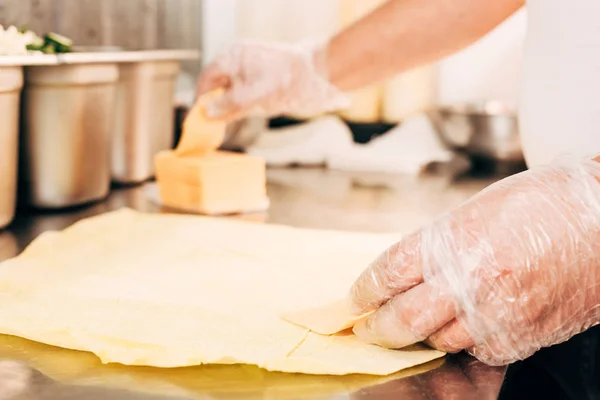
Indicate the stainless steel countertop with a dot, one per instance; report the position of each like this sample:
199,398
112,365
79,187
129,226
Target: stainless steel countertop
300,197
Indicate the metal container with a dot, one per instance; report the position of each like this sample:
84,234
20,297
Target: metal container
68,122
11,82
487,130
145,118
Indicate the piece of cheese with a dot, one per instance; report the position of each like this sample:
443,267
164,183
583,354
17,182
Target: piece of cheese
216,183
326,320
197,178
201,135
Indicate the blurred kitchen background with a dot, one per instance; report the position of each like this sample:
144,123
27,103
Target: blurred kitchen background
131,24
488,70
460,110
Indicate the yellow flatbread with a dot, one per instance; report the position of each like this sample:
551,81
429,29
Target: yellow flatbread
172,290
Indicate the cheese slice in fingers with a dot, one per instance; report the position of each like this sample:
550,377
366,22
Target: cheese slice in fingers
326,320
201,135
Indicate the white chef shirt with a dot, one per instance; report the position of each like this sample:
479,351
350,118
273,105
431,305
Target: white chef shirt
560,88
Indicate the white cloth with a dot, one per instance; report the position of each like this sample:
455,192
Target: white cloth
309,144
406,149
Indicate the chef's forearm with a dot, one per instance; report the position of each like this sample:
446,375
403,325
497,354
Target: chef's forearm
403,34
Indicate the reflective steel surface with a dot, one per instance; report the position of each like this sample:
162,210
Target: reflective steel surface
308,198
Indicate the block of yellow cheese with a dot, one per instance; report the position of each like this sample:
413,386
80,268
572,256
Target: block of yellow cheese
215,183
197,178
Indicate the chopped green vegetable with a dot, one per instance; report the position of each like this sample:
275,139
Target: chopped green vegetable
49,49
37,44
60,43
51,43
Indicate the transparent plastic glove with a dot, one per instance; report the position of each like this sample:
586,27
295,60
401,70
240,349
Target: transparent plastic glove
273,79
514,269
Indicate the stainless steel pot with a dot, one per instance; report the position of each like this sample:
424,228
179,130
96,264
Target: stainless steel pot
68,127
487,130
145,118
11,82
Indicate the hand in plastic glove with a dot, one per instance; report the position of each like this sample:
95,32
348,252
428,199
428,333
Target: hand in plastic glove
272,78
514,269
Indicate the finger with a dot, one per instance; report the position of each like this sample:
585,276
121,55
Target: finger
407,318
393,272
228,106
451,338
224,107
237,101
212,78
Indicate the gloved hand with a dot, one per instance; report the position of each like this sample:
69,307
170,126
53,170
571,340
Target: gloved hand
273,79
514,269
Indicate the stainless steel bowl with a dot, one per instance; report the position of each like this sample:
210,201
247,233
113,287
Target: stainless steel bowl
488,131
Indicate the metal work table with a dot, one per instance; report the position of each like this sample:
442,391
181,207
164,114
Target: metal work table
299,197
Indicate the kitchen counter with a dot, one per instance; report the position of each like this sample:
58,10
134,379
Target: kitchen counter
300,197
313,198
